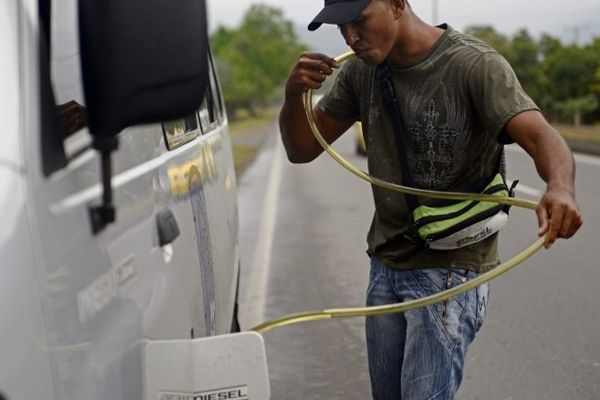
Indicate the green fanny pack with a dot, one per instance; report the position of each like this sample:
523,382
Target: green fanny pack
462,223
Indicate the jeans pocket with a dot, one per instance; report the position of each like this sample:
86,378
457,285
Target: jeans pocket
432,280
448,312
379,291
460,272
454,307
482,303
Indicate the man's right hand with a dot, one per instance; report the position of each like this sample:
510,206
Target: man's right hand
309,72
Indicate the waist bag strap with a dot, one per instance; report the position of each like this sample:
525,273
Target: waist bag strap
388,93
390,99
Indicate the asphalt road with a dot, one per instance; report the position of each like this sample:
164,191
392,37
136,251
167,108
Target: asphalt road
302,235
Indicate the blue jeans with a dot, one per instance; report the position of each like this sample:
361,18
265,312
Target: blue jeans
420,354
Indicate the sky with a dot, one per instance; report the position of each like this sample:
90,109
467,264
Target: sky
569,20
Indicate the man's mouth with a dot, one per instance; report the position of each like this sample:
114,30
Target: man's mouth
360,52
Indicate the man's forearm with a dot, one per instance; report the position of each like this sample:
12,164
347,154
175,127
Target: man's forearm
557,211
554,162
551,154
297,138
309,72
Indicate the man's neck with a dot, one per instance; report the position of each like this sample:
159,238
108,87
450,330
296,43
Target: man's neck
415,40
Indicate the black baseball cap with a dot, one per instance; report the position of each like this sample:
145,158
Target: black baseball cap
338,12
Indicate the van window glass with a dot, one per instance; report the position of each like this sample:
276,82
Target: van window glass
209,113
181,131
217,89
65,73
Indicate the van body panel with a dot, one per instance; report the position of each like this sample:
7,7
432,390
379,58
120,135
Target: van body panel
9,83
120,288
79,309
22,333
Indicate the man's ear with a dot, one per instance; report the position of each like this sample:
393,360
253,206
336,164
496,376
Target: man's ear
398,6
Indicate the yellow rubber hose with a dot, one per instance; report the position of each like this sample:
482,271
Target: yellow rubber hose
422,302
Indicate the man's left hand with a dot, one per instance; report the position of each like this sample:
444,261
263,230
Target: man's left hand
558,215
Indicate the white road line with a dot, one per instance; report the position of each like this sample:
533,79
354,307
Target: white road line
262,256
521,188
587,159
579,157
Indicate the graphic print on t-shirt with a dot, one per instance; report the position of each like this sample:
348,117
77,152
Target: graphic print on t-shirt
439,135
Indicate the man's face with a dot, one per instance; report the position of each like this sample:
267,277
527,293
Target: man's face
372,35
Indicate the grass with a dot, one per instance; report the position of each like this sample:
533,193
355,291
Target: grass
247,135
242,157
585,132
583,139
246,121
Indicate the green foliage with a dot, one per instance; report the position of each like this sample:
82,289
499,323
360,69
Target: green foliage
570,69
548,45
488,34
576,108
254,59
525,57
564,80
595,87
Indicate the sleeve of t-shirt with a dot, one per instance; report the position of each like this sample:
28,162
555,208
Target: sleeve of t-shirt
341,102
497,94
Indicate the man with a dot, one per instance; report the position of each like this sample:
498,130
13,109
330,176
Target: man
460,100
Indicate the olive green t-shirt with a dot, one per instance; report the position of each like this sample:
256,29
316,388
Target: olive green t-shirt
455,103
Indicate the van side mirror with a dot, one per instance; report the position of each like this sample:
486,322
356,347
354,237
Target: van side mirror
142,61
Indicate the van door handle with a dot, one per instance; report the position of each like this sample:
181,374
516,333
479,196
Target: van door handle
168,230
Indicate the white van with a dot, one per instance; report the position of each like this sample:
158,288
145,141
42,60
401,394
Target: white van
82,288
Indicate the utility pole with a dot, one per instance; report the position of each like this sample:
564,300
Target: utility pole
577,32
435,7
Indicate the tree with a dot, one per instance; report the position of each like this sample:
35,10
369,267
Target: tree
488,34
525,57
254,60
548,45
570,70
595,87
576,108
